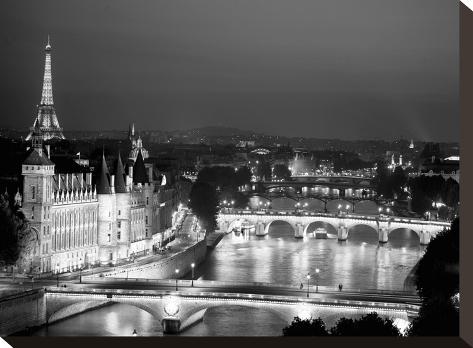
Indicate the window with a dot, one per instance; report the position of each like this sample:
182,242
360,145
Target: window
33,192
32,212
147,200
118,235
119,212
146,219
109,239
119,224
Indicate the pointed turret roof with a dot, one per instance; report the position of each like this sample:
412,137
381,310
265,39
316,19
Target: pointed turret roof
103,184
139,170
120,186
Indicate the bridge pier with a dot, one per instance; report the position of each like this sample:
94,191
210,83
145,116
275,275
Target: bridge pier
383,234
342,232
260,229
299,231
424,237
171,325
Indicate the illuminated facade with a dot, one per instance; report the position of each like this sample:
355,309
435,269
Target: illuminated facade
46,122
62,209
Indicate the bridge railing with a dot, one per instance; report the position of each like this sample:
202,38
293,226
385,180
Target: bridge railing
236,285
365,303
300,212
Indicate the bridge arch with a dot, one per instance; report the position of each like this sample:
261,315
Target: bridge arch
281,313
255,199
399,236
294,228
313,204
236,224
80,306
370,232
366,206
283,203
322,224
332,205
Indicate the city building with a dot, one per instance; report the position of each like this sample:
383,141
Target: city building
46,122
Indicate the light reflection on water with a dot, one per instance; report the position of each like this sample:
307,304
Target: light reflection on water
360,262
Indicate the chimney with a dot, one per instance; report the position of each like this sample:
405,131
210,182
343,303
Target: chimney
150,174
59,182
67,181
48,150
88,179
112,183
130,171
81,180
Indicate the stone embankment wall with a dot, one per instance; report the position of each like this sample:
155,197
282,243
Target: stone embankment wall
21,311
166,268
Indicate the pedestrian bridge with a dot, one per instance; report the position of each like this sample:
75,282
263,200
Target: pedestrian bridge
177,310
343,223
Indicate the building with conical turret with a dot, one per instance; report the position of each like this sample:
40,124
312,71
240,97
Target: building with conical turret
46,122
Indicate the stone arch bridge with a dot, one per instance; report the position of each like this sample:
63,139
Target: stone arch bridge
186,308
342,223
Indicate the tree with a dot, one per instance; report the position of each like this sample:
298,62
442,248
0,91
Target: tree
436,318
204,203
281,171
305,327
398,180
263,170
12,227
243,176
381,179
437,280
437,274
368,325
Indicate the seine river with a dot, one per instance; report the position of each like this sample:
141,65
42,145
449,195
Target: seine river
358,263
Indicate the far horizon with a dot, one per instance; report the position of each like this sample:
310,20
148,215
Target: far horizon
319,70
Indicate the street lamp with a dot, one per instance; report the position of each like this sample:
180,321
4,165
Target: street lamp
57,275
192,266
308,280
177,272
80,270
317,280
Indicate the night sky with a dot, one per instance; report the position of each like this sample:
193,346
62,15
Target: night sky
348,69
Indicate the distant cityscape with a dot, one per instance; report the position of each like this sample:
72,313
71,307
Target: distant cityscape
107,215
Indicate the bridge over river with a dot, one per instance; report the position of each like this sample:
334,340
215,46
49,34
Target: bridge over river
342,222
181,308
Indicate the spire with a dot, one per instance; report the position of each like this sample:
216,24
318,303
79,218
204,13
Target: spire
139,170
103,185
47,95
46,119
120,186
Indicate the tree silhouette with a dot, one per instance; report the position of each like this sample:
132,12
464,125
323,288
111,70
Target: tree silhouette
368,325
305,327
204,203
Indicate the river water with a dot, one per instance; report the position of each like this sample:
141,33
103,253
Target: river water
358,263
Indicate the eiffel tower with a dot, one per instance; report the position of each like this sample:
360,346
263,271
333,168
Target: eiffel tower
46,122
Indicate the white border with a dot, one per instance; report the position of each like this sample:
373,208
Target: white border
4,344
468,3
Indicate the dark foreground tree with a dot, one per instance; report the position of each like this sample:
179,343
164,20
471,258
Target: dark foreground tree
305,327
436,318
204,204
437,275
437,279
368,325
12,223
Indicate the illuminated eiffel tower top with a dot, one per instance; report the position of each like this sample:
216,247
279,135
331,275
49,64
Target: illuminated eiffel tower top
46,122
